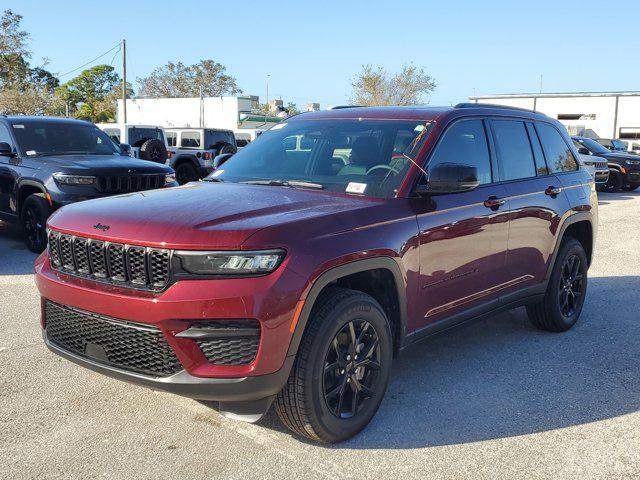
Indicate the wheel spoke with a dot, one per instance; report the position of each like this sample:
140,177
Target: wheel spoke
372,349
333,366
343,389
369,364
352,333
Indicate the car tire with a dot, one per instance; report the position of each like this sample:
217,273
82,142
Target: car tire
614,183
631,187
185,173
566,290
227,148
35,211
153,150
331,395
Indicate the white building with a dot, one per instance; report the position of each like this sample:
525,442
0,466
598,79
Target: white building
596,115
231,113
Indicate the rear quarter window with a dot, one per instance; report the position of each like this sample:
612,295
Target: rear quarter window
556,150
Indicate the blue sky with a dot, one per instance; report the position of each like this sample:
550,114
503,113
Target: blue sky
313,49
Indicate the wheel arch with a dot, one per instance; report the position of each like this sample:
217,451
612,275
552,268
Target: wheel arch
383,269
580,227
184,158
26,188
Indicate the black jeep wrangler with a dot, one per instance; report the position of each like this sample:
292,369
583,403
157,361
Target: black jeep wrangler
48,162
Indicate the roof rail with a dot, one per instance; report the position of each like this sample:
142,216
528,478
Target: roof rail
340,107
493,105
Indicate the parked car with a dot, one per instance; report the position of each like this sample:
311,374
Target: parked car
633,146
294,277
192,150
624,168
612,144
147,142
48,162
597,167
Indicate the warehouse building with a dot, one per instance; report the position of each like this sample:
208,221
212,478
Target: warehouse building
591,114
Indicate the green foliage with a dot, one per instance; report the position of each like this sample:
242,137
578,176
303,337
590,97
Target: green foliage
178,80
374,86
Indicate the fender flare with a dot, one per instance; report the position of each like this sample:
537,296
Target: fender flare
185,157
376,263
570,220
27,183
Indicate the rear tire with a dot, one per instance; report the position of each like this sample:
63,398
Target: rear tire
614,183
331,394
153,150
566,291
185,173
35,211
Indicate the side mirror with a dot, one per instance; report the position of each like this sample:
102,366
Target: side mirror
584,151
125,148
449,178
6,150
220,159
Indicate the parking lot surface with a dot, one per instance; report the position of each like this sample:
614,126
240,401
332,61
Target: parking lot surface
496,399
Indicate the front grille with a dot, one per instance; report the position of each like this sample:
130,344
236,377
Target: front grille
130,183
601,164
126,265
230,349
125,345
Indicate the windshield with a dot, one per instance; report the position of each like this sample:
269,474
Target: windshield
592,145
62,138
366,157
619,144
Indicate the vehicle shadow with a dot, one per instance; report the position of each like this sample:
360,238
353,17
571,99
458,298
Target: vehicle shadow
502,378
605,198
15,258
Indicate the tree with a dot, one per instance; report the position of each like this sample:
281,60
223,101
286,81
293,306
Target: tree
23,90
179,80
375,86
92,95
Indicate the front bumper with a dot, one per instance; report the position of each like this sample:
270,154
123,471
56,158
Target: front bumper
601,176
242,389
271,300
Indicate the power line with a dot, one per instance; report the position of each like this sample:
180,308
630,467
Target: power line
90,61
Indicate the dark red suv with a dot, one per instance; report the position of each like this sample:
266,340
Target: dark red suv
306,262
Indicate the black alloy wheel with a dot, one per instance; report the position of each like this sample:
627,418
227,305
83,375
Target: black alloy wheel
570,288
351,368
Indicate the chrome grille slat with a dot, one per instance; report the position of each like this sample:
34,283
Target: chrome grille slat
131,266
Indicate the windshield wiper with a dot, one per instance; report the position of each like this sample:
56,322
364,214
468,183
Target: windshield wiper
286,183
213,179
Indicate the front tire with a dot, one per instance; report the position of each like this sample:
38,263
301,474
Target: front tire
614,183
185,173
631,187
566,291
35,211
341,371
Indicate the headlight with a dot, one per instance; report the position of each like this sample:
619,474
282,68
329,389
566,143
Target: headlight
633,162
66,179
588,164
169,178
231,263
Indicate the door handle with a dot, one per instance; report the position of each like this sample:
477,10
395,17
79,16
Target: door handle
552,191
494,202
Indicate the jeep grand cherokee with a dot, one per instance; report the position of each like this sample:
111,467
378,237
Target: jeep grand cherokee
293,277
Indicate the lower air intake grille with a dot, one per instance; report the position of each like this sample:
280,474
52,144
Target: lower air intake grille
230,348
128,346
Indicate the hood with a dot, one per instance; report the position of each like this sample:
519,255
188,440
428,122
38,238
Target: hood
101,164
199,215
619,156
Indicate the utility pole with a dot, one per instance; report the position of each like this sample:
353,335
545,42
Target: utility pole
268,93
540,83
124,81
201,108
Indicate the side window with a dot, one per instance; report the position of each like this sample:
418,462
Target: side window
5,136
114,133
190,140
515,156
541,165
558,153
172,138
465,143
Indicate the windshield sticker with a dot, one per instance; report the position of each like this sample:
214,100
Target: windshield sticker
217,173
355,187
418,128
18,125
278,126
31,152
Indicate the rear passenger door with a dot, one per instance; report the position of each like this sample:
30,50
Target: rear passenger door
535,204
8,173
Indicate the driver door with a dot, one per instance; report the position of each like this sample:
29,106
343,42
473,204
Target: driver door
463,236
